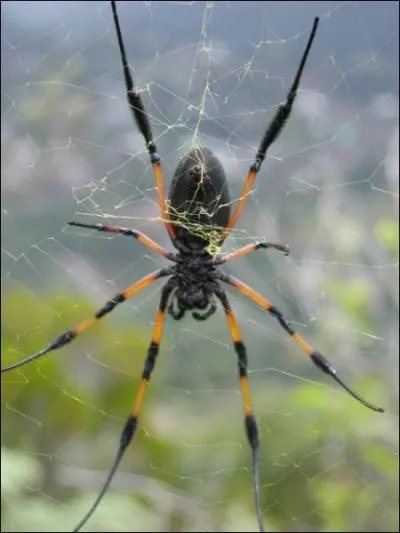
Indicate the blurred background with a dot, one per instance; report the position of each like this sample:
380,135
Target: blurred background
210,73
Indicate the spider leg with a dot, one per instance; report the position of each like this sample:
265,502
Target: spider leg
250,421
177,314
284,248
130,427
272,132
142,121
141,237
317,358
71,334
174,309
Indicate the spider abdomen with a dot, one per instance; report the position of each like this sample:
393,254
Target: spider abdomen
199,199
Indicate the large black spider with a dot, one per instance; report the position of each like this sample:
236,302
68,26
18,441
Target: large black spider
197,218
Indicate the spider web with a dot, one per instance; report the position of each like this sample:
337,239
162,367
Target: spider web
213,74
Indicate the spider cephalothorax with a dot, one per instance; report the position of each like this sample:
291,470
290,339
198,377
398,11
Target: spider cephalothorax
197,219
195,288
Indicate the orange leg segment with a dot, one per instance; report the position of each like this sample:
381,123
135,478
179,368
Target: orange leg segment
317,358
131,423
249,419
70,335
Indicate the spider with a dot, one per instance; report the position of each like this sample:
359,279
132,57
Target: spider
194,282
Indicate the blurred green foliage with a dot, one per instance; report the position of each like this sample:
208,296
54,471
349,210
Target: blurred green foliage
327,463
387,232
